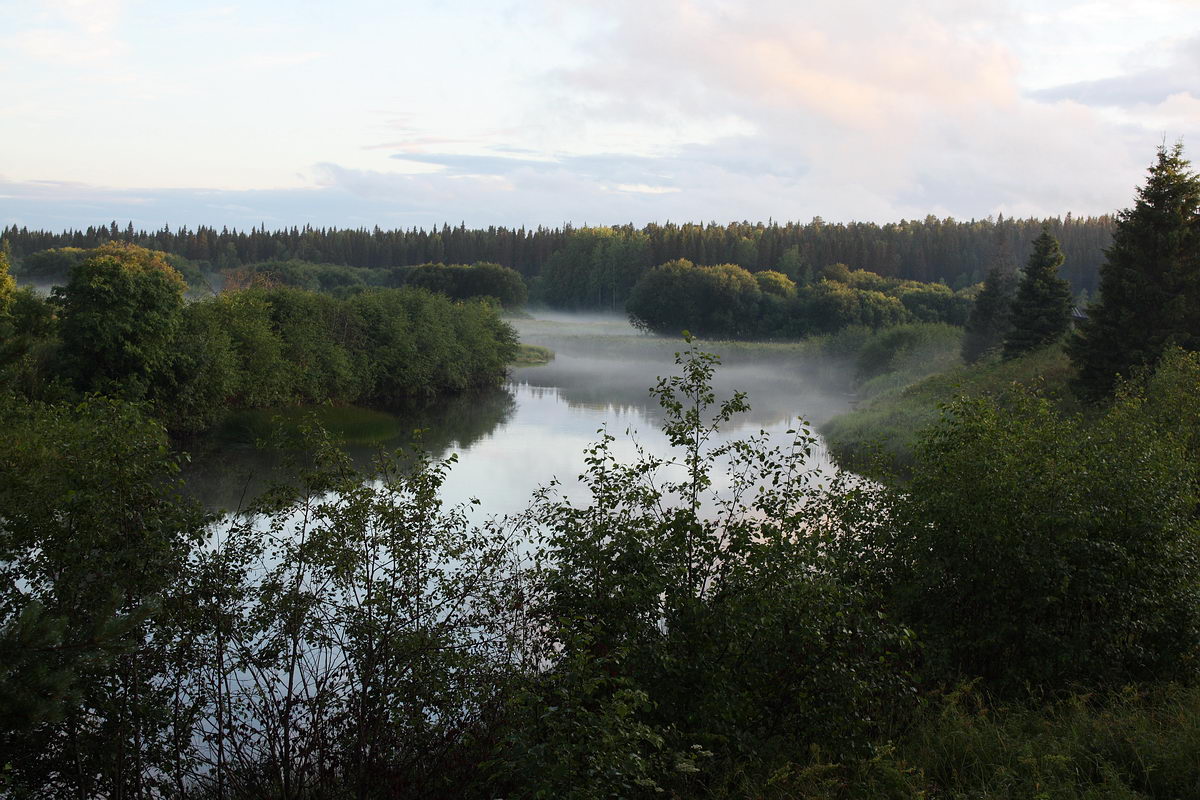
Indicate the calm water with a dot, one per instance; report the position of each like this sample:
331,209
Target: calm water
517,438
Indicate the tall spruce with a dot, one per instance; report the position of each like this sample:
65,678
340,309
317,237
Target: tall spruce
1149,281
991,316
1041,311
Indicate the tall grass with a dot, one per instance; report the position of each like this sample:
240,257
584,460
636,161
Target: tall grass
897,403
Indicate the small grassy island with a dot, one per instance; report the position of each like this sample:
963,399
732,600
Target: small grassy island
532,355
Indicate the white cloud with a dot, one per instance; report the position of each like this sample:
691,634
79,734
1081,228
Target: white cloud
74,32
641,188
621,110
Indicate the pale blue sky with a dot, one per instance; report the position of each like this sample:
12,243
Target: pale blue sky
365,112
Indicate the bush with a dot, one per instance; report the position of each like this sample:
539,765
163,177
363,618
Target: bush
724,606
1033,548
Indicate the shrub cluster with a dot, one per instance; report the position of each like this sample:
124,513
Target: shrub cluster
726,301
121,326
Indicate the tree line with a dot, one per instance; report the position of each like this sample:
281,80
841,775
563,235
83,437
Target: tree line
956,252
1149,289
120,326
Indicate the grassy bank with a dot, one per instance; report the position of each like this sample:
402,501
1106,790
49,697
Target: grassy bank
879,434
532,355
1133,743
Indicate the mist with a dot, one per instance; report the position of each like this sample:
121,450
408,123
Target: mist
602,362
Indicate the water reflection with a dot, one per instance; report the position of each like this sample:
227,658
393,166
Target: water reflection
516,439
603,362
232,468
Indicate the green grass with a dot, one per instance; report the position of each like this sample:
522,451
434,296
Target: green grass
531,355
878,436
1129,744
1137,743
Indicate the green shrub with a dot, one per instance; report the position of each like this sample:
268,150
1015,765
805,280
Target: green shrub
1035,548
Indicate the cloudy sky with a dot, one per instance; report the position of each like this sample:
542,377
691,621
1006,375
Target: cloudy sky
403,112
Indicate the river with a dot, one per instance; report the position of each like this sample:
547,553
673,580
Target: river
518,437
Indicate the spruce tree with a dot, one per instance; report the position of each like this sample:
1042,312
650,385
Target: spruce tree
991,316
1149,282
1041,311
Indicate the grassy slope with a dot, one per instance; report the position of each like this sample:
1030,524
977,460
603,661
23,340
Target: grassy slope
880,433
1129,744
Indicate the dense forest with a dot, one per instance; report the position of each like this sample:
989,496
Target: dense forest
957,253
616,269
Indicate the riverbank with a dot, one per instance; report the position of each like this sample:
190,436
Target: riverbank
878,435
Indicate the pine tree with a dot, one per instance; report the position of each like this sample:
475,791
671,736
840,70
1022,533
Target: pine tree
1149,282
1041,312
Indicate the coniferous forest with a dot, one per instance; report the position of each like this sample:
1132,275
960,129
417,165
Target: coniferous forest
591,268
1009,606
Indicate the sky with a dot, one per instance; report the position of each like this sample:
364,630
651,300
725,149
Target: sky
403,113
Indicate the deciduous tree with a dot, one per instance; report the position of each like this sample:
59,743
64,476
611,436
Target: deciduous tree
120,311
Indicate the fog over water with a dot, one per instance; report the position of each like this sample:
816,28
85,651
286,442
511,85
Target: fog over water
511,441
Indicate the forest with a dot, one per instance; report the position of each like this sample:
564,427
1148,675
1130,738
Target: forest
1016,613
591,267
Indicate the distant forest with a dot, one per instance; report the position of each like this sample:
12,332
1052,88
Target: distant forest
955,252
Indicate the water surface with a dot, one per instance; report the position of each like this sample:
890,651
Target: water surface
516,438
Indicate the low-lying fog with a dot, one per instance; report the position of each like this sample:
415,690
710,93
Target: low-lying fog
534,430
602,361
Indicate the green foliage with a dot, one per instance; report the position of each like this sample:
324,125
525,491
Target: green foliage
958,252
721,621
53,265
464,282
92,536
709,301
1041,311
579,731
596,268
1149,282
331,278
832,304
122,328
792,264
933,302
727,301
8,286
775,283
991,316
1127,744
1033,548
709,582
33,689
879,435
902,354
533,355
368,652
119,314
